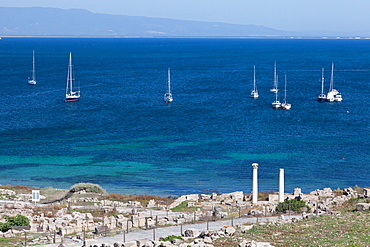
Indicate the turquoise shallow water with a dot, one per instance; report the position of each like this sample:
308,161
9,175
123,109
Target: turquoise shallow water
122,135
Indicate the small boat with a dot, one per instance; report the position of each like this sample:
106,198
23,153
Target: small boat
274,88
254,93
168,95
322,96
285,105
71,95
332,94
32,80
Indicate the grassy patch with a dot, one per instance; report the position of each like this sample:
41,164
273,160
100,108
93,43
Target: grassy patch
350,205
11,240
170,238
183,207
345,229
15,241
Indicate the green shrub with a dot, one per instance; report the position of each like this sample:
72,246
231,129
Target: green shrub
170,238
18,220
88,187
293,205
4,227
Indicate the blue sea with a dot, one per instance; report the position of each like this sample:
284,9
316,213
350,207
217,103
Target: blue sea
122,136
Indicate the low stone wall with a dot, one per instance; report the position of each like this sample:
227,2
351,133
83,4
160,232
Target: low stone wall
190,238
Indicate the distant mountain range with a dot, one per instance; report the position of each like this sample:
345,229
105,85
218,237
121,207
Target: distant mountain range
38,21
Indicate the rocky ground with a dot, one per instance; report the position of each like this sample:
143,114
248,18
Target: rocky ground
86,217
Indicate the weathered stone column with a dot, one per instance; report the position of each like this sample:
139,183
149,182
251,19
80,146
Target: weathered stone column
255,184
281,185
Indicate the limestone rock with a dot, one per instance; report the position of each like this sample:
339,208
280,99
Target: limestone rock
90,242
141,242
192,233
149,244
130,244
362,206
245,228
229,230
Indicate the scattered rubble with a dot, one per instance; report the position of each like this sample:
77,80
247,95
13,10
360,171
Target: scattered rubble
61,220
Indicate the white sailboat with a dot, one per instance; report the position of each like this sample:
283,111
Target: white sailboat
32,80
276,104
332,94
285,105
254,93
274,88
322,96
168,95
70,94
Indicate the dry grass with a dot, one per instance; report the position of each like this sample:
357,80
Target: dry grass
52,194
12,241
19,189
345,229
49,193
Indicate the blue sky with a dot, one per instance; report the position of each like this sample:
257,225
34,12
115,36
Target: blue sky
292,15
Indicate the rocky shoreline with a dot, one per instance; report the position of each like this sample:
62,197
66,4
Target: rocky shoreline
85,217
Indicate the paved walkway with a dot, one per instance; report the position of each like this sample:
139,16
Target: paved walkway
156,233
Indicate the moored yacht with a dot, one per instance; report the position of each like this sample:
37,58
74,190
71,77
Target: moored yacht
32,80
168,95
274,88
71,93
332,94
285,105
254,93
322,96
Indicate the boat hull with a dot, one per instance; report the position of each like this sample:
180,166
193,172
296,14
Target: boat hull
167,98
276,105
71,100
321,97
286,106
254,95
274,90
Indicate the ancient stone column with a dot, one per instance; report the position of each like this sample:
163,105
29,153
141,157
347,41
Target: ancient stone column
281,185
255,184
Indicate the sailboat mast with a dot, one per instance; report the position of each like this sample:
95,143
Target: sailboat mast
169,81
322,81
285,91
275,76
70,75
254,78
332,78
33,66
